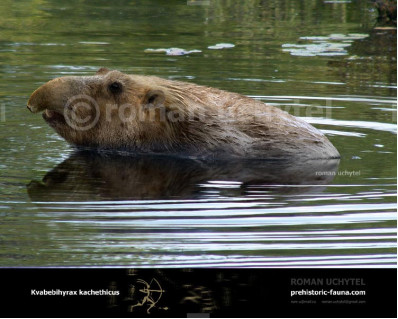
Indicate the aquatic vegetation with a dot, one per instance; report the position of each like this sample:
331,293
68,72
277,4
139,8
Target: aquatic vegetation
173,51
220,46
179,51
332,45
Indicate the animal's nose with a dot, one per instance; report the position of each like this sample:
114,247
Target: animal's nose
31,107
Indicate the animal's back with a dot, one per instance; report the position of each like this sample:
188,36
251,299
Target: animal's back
262,130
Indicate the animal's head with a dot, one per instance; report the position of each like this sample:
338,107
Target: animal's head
109,110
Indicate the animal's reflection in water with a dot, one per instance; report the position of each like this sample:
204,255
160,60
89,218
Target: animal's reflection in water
90,176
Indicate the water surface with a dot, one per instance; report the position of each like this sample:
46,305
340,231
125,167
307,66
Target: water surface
62,208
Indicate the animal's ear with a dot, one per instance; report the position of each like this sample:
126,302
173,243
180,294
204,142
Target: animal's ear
154,99
102,71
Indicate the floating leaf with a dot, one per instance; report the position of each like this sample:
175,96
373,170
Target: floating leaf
220,46
172,51
155,50
331,45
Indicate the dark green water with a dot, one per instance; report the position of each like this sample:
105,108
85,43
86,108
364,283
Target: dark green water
118,211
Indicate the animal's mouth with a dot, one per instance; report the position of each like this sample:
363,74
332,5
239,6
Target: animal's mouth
53,117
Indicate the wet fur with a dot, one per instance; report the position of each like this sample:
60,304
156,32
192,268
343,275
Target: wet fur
211,122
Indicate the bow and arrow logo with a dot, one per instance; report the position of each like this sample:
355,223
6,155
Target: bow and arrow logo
152,293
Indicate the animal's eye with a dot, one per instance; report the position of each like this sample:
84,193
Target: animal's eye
115,87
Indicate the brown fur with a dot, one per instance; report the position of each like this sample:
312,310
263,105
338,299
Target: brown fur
147,114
